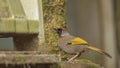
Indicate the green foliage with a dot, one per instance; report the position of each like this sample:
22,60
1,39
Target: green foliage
54,17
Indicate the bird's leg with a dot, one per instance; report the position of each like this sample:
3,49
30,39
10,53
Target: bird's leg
74,57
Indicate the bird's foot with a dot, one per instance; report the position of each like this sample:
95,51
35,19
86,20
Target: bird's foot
71,61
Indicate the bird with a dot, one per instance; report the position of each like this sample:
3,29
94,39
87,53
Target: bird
75,45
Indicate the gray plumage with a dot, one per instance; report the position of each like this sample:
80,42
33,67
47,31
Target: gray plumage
62,43
77,50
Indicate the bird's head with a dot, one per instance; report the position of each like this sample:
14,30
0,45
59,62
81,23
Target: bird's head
60,31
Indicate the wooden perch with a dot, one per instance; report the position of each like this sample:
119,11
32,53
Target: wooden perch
79,65
27,57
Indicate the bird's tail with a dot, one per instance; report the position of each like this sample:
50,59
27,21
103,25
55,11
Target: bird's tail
99,51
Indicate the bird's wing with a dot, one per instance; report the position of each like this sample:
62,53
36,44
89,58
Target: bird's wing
78,41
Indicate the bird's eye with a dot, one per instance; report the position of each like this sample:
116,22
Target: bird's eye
68,43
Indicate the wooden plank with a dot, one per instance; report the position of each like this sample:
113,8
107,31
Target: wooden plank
20,52
30,9
24,59
41,24
4,9
16,8
7,25
41,28
27,58
78,65
25,66
21,26
33,26
10,25
117,20
2,27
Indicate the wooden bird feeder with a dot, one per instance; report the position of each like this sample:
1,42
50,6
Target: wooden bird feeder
23,21
17,22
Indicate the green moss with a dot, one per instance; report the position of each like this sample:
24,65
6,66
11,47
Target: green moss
18,59
54,17
87,62
82,63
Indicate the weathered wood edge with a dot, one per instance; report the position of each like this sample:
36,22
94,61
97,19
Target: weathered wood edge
27,57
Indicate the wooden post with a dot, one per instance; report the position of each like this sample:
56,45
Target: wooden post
117,20
108,31
41,27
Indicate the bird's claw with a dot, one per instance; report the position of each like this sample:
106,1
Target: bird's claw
71,62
